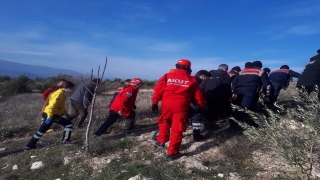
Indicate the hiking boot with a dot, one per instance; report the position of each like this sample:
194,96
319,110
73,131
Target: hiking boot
66,142
154,137
174,156
199,138
28,148
159,145
130,134
94,136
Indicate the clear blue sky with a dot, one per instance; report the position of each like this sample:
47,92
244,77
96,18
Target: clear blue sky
145,38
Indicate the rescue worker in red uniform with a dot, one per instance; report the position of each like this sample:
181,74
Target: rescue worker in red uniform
175,90
123,105
121,88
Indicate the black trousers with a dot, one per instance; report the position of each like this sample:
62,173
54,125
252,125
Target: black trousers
277,88
195,118
78,109
68,126
217,110
112,118
246,99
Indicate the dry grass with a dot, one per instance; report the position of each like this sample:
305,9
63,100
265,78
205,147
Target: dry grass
19,118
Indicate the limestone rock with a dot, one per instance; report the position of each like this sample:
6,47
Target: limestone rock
37,165
15,167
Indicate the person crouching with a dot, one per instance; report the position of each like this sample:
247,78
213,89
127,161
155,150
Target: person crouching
52,112
123,105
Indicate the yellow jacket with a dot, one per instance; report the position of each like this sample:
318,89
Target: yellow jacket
56,104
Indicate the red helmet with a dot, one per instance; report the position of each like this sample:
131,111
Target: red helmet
136,82
184,62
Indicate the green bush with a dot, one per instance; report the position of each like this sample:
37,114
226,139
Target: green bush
295,137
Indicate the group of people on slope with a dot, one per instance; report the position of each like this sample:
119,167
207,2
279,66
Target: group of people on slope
207,94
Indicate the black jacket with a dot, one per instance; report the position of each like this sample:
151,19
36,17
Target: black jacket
218,87
311,74
251,80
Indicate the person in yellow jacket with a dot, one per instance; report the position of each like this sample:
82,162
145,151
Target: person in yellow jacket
53,110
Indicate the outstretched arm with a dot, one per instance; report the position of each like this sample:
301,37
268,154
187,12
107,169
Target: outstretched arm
294,74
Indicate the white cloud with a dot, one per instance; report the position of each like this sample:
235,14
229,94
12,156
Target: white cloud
298,11
304,30
38,53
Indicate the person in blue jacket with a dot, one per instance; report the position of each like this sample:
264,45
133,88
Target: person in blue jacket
280,79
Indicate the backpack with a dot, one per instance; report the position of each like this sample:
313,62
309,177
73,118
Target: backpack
46,93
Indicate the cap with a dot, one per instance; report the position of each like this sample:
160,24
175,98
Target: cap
248,65
203,72
284,67
96,80
266,70
257,64
236,68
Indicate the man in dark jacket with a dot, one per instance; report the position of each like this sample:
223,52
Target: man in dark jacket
267,70
311,75
234,72
193,114
248,85
218,94
81,99
280,79
246,88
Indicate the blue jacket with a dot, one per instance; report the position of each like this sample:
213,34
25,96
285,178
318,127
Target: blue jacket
252,80
282,75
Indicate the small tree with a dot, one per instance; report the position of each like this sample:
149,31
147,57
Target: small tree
93,102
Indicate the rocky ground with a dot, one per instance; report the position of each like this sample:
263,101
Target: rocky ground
223,155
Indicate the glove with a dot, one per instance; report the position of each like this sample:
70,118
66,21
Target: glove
195,107
155,108
234,96
200,110
68,116
48,120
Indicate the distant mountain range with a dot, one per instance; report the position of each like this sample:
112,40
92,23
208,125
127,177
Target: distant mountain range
13,69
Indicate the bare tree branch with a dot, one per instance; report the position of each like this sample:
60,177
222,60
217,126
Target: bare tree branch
92,105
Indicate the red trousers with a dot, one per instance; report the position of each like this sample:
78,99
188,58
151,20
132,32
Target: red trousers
173,116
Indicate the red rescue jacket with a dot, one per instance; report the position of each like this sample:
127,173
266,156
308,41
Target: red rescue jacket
178,86
125,100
